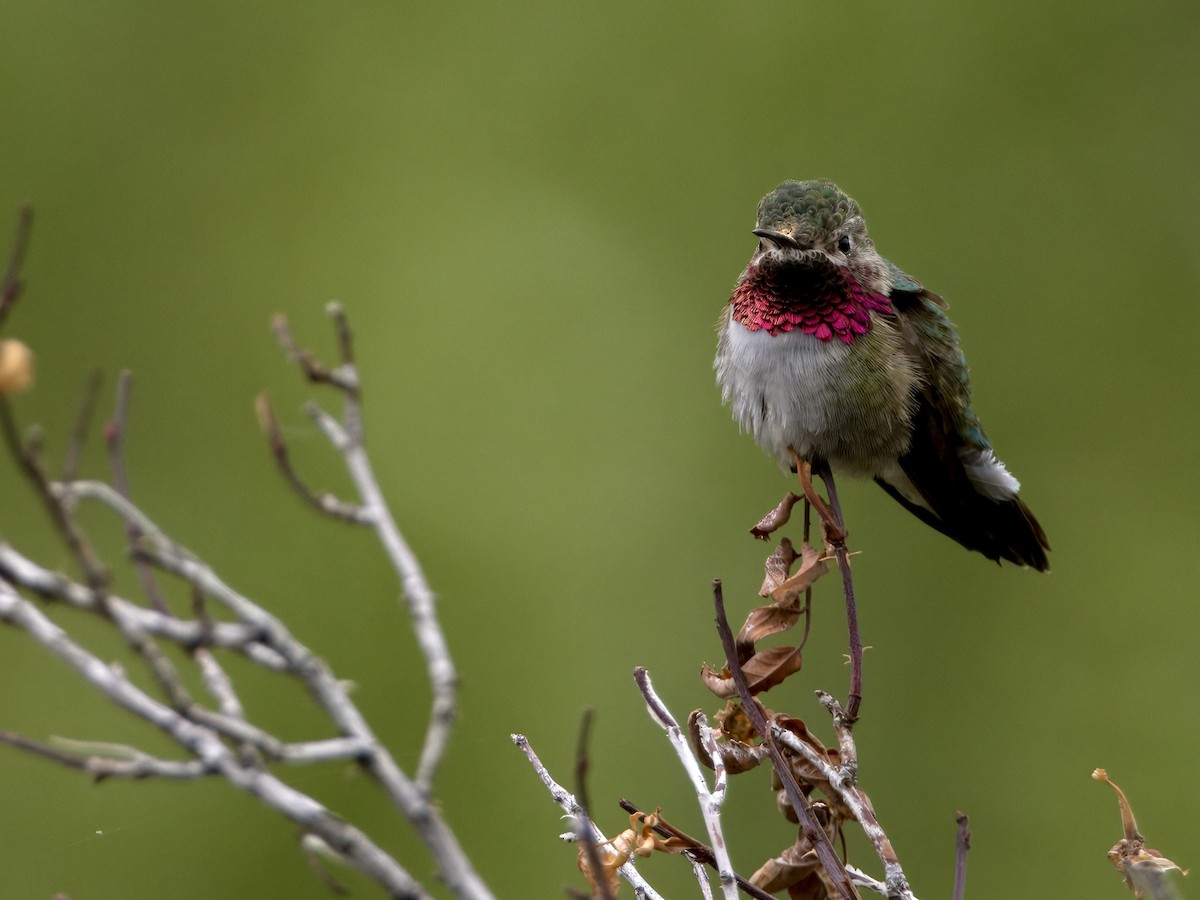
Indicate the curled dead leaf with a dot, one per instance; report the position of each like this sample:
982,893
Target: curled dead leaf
797,871
735,724
737,755
777,567
639,839
719,681
1144,868
769,667
611,855
763,671
785,591
776,518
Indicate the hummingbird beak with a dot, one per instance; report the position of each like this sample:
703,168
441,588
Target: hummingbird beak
778,238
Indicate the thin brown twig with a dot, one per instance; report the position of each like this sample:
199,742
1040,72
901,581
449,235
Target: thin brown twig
343,377
83,424
813,832
696,849
584,821
808,607
838,540
114,440
842,784
962,844
11,283
28,455
130,763
324,502
569,804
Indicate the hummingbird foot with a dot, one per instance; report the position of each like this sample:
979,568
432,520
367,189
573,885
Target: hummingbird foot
831,524
776,518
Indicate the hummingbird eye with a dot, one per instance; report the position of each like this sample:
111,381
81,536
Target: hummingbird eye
844,244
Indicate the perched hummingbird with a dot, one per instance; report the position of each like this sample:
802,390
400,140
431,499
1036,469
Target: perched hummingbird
829,350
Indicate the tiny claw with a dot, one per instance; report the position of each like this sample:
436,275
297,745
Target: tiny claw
834,534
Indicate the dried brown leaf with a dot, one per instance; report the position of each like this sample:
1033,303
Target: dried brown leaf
612,854
763,671
1147,876
778,567
1143,867
639,839
765,621
800,730
719,681
735,724
811,568
769,667
785,591
795,870
776,518
792,866
814,887
737,756
648,841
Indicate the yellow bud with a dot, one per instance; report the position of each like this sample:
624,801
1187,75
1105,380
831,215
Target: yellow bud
16,367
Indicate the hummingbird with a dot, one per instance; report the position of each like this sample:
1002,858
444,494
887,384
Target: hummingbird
830,354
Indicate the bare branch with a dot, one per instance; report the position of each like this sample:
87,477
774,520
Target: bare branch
841,779
107,760
324,501
11,283
696,850
710,800
208,748
568,804
838,538
343,377
28,454
222,741
114,438
962,845
21,570
584,820
346,436
83,423
813,832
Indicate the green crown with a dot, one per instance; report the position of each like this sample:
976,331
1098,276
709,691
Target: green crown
814,208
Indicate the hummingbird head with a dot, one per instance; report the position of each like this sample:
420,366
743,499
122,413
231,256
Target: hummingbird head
815,224
815,268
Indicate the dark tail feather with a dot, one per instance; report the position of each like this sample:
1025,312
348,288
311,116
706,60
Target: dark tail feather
999,529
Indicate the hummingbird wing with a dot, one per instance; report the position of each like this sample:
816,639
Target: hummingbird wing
956,483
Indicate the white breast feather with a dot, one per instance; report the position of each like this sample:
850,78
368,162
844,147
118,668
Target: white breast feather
777,385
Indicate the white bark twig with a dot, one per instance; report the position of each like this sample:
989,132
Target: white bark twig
346,436
568,804
222,741
212,754
841,780
21,570
160,550
710,800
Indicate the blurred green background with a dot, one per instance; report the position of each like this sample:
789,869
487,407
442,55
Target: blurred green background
533,213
